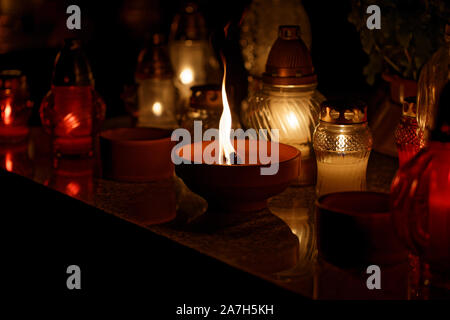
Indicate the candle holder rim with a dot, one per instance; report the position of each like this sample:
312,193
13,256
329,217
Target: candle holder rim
369,214
295,150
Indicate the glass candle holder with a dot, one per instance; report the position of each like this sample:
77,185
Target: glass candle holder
15,107
342,143
72,111
259,30
191,54
408,136
420,198
156,93
288,100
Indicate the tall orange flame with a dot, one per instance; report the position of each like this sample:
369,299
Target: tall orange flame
225,145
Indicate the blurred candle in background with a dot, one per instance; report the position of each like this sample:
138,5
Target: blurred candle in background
156,92
288,100
191,53
72,111
342,143
15,108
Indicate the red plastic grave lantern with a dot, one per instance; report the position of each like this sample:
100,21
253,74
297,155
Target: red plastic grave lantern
72,111
420,198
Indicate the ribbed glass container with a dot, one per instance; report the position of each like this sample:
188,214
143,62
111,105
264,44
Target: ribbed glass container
294,111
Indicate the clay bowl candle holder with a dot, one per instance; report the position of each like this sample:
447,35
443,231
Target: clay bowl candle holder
237,187
355,229
136,154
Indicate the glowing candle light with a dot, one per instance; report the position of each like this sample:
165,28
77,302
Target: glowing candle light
157,108
186,76
288,100
7,119
71,122
226,148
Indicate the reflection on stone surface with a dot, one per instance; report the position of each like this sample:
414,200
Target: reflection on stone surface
17,158
73,177
277,244
258,242
142,203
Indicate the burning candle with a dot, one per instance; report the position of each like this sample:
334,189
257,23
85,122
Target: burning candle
15,108
186,76
226,148
342,143
190,52
288,100
72,111
6,114
156,93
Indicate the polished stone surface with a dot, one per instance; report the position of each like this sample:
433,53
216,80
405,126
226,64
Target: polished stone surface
277,244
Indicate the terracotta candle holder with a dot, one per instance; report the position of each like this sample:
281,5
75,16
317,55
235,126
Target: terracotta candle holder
355,228
237,187
136,154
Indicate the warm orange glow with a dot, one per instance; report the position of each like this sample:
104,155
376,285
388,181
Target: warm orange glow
9,166
157,108
73,189
71,122
187,76
6,114
225,145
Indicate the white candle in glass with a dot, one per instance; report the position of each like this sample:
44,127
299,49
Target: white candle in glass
341,173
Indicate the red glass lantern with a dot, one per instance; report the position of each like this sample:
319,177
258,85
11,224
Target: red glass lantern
72,111
420,198
15,108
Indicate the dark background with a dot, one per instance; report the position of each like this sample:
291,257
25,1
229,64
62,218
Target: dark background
113,32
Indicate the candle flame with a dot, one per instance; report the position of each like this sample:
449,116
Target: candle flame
292,120
71,122
157,108
225,146
187,76
7,119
